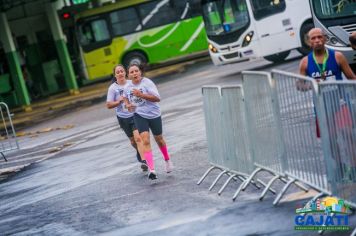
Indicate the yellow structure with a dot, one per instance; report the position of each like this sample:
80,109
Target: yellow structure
330,201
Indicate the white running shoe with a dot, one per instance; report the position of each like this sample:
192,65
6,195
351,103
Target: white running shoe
169,166
152,175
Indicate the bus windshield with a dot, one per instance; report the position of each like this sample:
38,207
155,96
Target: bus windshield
223,17
325,9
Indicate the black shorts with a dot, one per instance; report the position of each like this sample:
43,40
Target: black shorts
128,125
144,124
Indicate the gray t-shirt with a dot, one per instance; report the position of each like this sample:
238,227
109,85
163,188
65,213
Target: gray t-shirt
114,92
144,108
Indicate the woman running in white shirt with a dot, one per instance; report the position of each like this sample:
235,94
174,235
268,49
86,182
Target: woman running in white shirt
142,97
115,99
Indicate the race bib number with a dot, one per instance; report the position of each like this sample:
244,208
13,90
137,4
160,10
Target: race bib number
137,101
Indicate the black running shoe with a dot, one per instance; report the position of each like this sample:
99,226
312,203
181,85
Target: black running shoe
152,175
144,166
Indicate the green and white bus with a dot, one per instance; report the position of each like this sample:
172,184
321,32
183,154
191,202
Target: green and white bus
129,31
242,29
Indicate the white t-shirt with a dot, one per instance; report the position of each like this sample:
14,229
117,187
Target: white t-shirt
114,92
144,108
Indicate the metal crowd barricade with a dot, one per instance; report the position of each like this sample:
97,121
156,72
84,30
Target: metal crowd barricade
213,124
228,144
303,152
338,107
8,140
264,128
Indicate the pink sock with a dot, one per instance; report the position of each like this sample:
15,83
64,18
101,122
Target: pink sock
164,152
149,160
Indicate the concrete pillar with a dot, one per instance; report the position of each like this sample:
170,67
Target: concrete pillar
14,64
62,50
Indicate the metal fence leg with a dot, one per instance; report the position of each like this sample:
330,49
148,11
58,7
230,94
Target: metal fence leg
244,182
217,179
353,233
299,185
268,186
226,183
206,174
255,184
238,191
240,178
302,187
2,154
280,195
319,195
250,178
264,184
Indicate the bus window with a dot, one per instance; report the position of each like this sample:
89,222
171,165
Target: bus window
86,36
194,8
157,13
334,8
183,9
100,30
213,21
224,17
125,21
264,8
93,32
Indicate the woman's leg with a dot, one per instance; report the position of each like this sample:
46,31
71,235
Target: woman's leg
147,150
142,126
156,128
127,124
138,143
133,144
162,146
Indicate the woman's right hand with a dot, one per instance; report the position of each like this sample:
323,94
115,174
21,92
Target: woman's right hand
130,107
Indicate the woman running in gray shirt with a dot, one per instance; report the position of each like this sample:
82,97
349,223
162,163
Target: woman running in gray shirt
115,100
142,98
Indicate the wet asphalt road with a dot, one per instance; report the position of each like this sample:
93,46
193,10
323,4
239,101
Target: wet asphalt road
93,185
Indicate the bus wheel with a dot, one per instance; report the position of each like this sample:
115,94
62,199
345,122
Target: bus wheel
278,57
305,49
134,57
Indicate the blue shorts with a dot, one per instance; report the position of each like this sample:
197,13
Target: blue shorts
143,124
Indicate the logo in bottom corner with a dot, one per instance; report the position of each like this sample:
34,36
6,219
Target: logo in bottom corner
329,213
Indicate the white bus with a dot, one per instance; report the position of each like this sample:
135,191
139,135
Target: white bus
338,19
241,29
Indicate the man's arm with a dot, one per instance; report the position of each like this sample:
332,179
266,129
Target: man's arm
344,65
303,66
300,84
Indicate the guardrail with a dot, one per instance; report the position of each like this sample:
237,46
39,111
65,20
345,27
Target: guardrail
338,105
228,148
298,108
8,140
300,132
264,120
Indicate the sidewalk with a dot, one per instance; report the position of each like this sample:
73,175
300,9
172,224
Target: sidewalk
59,104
